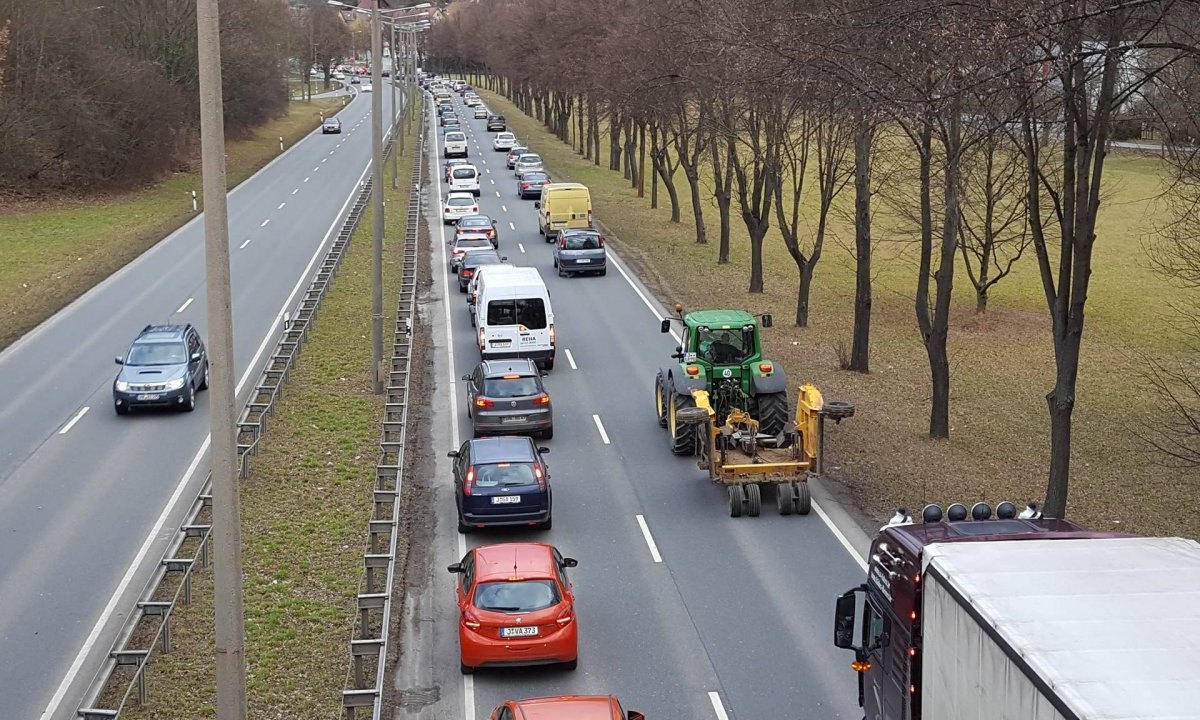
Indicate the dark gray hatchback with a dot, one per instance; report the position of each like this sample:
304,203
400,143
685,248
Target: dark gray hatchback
165,367
580,250
501,481
507,396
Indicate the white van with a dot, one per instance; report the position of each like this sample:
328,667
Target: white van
465,179
513,316
454,144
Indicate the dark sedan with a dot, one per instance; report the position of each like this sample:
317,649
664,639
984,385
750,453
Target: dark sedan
530,185
496,123
472,261
501,481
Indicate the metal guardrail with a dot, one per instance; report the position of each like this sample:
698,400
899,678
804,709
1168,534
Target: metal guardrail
149,626
369,642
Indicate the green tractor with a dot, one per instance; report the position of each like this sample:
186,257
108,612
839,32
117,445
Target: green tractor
720,352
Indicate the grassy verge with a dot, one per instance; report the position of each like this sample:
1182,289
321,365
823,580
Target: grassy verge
57,249
304,516
1001,362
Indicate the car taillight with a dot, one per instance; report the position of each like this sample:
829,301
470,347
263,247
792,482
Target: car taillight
542,399
491,233
466,272
469,480
482,340
551,334
484,403
470,619
540,477
589,218
601,241
565,617
562,244
459,251
524,186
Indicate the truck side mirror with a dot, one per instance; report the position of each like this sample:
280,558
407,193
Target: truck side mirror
665,327
767,320
844,620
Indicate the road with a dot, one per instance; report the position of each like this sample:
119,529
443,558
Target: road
685,613
85,496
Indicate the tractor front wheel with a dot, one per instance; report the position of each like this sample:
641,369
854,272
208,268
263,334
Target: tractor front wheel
683,437
772,413
660,402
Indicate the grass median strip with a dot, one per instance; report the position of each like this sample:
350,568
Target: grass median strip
304,515
56,249
1001,361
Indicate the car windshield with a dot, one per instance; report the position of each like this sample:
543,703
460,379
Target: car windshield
516,597
156,353
582,241
529,312
464,173
511,387
724,347
460,202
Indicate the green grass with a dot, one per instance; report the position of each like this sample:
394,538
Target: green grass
56,249
304,517
1001,362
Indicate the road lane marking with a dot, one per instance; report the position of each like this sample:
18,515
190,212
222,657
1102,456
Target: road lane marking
110,608
521,247
571,358
324,159
497,192
296,191
71,423
600,427
641,521
264,222
316,168
513,227
493,182
184,306
505,209
243,245
718,708
646,300
307,179
488,171
281,206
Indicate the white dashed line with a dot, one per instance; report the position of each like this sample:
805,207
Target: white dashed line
316,168
281,206
600,427
331,152
307,179
718,708
324,159
497,192
641,521
296,191
504,208
185,305
512,227
488,171
484,161
264,222
493,182
71,423
571,359
243,245
521,247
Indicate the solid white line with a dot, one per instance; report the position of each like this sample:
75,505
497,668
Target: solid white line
155,532
243,245
264,222
281,206
184,306
718,708
641,521
71,423
570,358
600,427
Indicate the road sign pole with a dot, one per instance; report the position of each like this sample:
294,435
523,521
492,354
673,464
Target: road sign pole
377,200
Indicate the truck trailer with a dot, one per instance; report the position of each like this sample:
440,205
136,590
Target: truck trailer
1023,618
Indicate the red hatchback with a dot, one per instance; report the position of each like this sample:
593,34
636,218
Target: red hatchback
516,607
565,707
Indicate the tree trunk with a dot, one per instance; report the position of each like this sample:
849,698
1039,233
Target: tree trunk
654,150
802,294
693,178
860,348
641,166
594,134
630,141
723,193
614,140
981,298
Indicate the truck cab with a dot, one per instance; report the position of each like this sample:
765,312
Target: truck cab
880,620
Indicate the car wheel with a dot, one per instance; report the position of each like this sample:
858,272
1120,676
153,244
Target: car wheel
466,669
548,434
572,665
121,409
204,379
549,524
555,261
190,405
562,273
464,528
462,288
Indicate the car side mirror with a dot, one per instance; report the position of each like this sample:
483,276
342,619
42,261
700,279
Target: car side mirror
634,715
119,361
544,450
845,615
537,204
455,568
452,453
665,327
569,562
767,320
466,378
504,258
195,357
544,374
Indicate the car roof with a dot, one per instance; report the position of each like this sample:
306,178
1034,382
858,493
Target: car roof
162,333
528,155
467,195
498,368
721,319
472,237
477,258
576,707
502,449
500,562
580,231
567,186
488,218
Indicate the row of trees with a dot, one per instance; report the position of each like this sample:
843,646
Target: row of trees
107,93
983,126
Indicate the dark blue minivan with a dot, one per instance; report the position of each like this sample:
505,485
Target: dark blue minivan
501,481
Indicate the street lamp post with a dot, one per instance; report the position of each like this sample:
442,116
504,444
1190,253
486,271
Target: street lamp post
377,200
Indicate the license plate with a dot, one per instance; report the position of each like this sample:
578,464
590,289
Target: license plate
582,261
500,343
514,419
148,397
506,499
519,632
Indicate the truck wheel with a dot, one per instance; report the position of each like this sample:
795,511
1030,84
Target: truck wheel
683,437
753,499
660,402
803,499
772,412
785,499
736,498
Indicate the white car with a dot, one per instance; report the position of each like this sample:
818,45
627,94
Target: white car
464,179
367,88
504,141
472,101
458,205
481,112
455,144
528,162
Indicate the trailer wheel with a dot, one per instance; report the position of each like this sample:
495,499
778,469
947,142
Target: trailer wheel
736,498
753,499
803,499
785,499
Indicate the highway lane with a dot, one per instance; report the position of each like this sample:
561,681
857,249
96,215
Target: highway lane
82,496
734,619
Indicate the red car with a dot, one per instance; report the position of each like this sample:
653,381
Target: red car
516,607
565,707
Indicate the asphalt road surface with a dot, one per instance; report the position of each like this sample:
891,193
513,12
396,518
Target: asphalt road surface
684,612
88,500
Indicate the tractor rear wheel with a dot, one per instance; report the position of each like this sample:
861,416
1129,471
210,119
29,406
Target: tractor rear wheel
683,437
772,412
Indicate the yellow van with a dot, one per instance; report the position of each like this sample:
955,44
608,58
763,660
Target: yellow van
563,205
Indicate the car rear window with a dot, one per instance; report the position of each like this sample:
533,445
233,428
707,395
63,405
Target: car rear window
530,312
582,242
516,597
455,137
476,259
504,475
474,222
464,173
473,243
457,202
156,353
531,159
510,387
